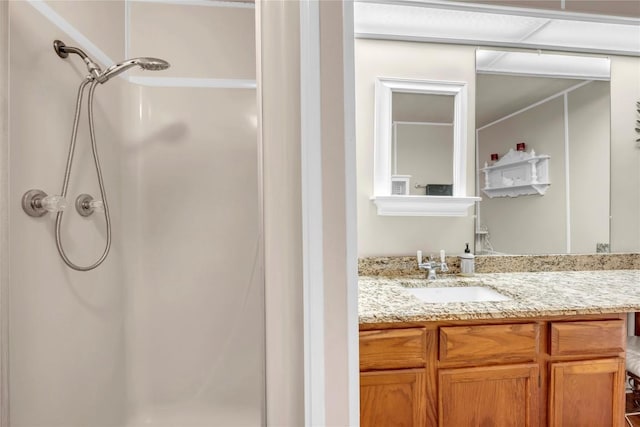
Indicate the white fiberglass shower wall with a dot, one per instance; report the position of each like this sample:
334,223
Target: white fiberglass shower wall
169,331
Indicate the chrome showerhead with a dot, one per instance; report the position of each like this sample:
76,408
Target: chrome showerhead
153,64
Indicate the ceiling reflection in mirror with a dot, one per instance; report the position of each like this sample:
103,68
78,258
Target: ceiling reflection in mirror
422,144
566,120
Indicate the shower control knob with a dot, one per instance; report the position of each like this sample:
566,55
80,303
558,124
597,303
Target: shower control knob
86,205
37,203
97,205
54,203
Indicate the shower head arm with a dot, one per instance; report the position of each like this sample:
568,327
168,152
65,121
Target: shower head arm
63,51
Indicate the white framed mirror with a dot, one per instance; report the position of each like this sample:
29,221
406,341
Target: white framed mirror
420,148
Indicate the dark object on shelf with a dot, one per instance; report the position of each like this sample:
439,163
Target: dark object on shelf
439,189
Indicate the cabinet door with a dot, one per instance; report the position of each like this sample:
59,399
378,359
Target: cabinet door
587,393
393,398
497,396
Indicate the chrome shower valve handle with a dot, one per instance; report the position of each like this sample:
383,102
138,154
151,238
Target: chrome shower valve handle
54,204
86,205
37,203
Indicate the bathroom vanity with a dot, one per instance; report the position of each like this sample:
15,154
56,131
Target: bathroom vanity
553,354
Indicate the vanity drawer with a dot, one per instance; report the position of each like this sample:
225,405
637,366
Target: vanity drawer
596,336
392,349
505,342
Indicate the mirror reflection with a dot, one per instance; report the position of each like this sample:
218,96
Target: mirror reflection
422,144
567,120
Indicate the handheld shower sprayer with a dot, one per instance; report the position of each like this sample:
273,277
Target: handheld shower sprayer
152,64
35,202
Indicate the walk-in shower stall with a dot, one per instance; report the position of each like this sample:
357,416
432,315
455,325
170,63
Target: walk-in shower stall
135,291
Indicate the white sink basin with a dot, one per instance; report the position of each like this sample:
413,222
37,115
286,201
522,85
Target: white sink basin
457,294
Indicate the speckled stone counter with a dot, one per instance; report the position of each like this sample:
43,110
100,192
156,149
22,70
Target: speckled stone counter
406,265
385,299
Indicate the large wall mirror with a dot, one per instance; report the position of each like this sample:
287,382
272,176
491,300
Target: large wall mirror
510,62
559,107
420,148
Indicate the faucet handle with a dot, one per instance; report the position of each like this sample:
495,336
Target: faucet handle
86,205
53,203
37,203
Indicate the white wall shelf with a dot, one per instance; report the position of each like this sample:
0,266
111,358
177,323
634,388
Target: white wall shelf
518,173
424,205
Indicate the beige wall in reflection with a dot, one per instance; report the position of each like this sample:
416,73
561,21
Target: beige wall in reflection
625,155
528,224
422,152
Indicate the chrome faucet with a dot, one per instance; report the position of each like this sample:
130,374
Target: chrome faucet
431,266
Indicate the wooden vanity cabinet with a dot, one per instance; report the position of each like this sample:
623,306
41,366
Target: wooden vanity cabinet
488,375
588,391
393,378
489,395
560,372
393,398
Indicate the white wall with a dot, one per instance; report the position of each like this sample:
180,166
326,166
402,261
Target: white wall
67,360
4,209
101,21
303,387
195,311
189,37
340,306
279,89
195,304
383,235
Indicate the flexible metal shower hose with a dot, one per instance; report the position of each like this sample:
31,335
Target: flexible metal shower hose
67,174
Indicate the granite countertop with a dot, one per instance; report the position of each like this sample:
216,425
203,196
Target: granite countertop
385,299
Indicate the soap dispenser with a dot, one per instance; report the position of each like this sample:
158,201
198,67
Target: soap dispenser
467,263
